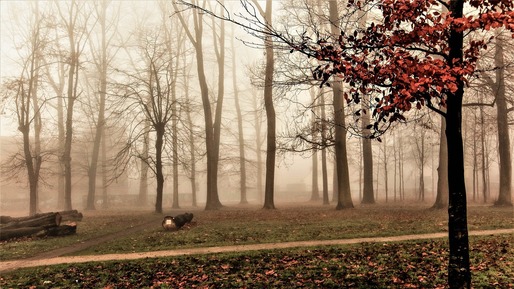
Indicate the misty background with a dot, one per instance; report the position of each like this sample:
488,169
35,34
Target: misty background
121,65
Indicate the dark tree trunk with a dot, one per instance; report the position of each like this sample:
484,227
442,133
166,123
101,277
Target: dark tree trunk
344,197
459,275
159,130
271,147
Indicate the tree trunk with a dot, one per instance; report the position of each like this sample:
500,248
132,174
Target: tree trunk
220,56
459,275
105,199
174,128
386,174
269,189
159,131
483,156
441,201
367,156
192,147
143,177
505,194
343,177
100,124
324,170
242,158
258,148
314,132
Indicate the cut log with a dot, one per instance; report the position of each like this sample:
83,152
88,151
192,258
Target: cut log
5,219
8,219
12,233
168,223
72,215
182,219
42,220
7,234
62,230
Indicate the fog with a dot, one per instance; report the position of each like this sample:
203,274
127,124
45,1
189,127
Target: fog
146,58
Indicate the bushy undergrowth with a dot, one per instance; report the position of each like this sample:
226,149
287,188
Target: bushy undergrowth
420,264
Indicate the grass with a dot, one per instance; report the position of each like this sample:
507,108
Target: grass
95,224
234,226
421,264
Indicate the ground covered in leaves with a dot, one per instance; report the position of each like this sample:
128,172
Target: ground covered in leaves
421,264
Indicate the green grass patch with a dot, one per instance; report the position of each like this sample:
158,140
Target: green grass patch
236,226
94,225
420,264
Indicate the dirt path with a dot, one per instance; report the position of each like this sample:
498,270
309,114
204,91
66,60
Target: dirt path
41,260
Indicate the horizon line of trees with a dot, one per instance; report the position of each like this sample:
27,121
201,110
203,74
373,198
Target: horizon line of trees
80,75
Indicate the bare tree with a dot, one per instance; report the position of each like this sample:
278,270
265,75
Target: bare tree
195,37
102,57
343,178
24,91
151,89
74,18
241,139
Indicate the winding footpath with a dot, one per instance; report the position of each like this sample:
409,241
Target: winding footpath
46,259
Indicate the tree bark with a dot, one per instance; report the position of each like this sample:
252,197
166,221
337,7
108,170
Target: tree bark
314,134
212,202
42,220
343,176
143,174
271,143
441,201
459,275
505,193
324,171
159,142
100,123
241,140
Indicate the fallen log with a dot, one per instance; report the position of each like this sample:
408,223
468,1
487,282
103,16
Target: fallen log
39,232
72,215
41,220
7,234
9,219
62,230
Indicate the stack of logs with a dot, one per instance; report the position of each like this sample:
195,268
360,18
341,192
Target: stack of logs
39,225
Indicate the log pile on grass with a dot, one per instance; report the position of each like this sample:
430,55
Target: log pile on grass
39,225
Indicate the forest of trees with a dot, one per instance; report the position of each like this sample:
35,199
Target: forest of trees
399,100
162,94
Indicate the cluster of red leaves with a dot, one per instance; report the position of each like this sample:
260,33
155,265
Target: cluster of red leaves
405,265
405,58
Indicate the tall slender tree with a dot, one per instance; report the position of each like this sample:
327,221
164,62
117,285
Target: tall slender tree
102,58
195,37
74,17
344,199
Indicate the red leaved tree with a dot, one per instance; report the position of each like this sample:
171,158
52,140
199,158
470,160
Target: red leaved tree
417,56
